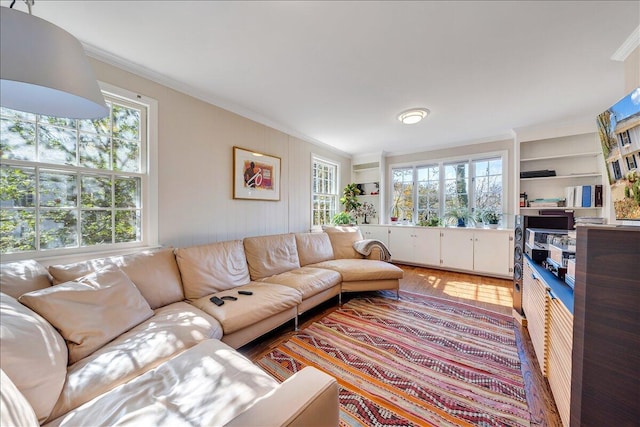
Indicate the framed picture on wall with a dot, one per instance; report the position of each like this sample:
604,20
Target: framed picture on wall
256,176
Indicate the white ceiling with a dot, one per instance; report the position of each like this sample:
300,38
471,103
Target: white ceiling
339,73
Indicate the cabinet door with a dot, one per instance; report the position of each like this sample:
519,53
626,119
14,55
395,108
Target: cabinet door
401,244
534,304
492,252
456,248
376,232
559,363
427,246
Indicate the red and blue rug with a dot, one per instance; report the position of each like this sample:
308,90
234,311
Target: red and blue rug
418,361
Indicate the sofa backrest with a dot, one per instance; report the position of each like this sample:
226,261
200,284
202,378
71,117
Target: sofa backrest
342,239
207,269
313,248
270,255
20,277
155,273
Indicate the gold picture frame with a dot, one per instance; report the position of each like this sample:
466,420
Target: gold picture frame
256,176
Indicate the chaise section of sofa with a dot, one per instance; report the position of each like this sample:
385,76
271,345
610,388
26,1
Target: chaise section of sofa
221,270
357,273
275,259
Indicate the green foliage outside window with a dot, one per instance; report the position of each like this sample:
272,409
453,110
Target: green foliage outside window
88,175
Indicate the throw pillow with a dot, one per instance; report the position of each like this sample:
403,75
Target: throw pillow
342,239
20,277
14,408
92,311
32,354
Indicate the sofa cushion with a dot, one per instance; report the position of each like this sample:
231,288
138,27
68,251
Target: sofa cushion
171,330
207,385
313,248
20,277
342,239
14,408
309,281
353,270
267,300
269,255
154,272
91,312
32,354
207,269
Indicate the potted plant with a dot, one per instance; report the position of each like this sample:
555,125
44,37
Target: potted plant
430,221
342,218
459,216
364,210
349,197
491,218
478,216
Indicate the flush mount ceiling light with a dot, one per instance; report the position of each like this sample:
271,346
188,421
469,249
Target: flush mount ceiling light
413,116
44,69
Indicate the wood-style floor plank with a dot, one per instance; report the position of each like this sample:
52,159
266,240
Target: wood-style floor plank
486,292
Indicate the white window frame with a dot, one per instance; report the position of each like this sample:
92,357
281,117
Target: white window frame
149,193
503,154
316,158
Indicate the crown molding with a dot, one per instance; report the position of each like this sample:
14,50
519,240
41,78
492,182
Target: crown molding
629,45
144,72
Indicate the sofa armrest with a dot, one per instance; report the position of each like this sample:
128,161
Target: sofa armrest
306,399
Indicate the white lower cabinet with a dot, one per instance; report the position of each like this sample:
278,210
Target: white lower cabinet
375,232
415,245
474,250
456,249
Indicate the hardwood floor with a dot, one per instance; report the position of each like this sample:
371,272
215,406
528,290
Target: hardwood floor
486,292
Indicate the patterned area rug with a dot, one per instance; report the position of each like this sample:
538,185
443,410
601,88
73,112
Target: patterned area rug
418,361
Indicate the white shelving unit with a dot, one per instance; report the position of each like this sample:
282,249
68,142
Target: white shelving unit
367,172
576,159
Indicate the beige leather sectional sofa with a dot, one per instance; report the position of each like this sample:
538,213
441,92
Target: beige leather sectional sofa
136,340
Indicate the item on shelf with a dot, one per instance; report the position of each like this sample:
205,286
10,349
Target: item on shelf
571,268
555,268
523,200
538,173
598,196
586,220
546,203
561,254
537,242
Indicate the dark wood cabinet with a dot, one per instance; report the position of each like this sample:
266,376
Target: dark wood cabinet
605,380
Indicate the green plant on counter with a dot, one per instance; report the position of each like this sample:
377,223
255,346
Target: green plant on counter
430,221
459,216
349,197
491,216
343,218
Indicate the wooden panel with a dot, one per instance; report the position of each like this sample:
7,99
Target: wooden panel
606,353
534,304
559,364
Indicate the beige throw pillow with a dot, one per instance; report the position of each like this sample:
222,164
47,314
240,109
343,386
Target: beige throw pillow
91,311
32,354
20,277
342,239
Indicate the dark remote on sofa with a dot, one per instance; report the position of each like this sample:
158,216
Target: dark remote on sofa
217,301
245,292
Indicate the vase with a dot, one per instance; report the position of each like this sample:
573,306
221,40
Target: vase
461,222
364,221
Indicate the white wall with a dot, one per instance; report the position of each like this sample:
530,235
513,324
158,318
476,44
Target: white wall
195,155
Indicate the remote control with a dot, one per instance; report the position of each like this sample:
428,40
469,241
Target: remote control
229,298
217,301
245,292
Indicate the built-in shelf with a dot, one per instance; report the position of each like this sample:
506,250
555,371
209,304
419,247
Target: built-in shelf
581,175
562,156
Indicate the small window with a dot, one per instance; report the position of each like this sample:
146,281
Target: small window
402,204
487,181
631,162
428,192
324,184
456,185
625,139
617,173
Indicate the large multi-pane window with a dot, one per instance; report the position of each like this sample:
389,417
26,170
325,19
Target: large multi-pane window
324,184
438,188
67,183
